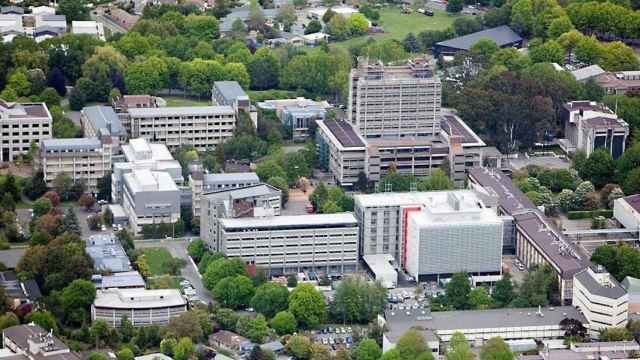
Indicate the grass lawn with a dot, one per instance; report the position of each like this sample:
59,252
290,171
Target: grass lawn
186,101
158,259
397,25
165,282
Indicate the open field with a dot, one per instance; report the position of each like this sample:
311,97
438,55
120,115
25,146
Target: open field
397,25
158,260
185,101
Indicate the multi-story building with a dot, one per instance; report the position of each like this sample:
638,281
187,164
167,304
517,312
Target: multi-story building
254,200
32,342
83,159
394,101
10,26
601,298
142,307
343,152
230,93
589,126
101,120
139,154
203,183
204,127
20,125
402,225
537,240
92,28
47,26
150,198
122,104
619,83
297,114
289,244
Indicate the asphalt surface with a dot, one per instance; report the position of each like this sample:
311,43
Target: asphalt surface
178,249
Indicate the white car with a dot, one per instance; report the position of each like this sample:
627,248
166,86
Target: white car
104,228
185,283
190,291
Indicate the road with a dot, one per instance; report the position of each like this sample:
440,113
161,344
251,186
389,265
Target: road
178,249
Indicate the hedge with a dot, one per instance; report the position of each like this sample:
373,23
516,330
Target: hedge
576,215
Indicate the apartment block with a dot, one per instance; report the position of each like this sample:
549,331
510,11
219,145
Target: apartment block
601,298
394,101
20,125
252,201
83,159
142,307
343,152
101,120
204,127
589,126
290,244
122,104
204,183
150,198
230,93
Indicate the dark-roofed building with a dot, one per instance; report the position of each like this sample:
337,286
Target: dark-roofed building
627,211
20,125
503,36
21,295
478,325
35,343
230,341
601,298
123,18
537,241
589,126
342,151
121,280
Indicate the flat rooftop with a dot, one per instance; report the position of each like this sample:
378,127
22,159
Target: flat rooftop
293,221
230,90
103,117
437,200
181,111
501,35
230,178
121,280
138,298
453,126
24,110
74,144
633,201
146,180
344,133
244,192
399,321
498,184
613,291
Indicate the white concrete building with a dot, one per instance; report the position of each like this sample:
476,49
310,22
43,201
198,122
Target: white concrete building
82,159
477,326
343,152
150,198
101,120
203,183
382,270
452,233
256,200
139,154
93,28
627,211
204,127
385,224
142,307
602,300
11,26
32,342
291,244
20,125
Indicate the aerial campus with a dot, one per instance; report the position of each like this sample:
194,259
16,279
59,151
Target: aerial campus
319,179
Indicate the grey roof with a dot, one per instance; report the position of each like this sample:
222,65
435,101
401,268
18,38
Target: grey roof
633,201
181,111
615,291
49,29
289,222
631,284
501,35
11,257
498,184
274,346
231,178
587,72
126,279
103,117
71,144
230,90
52,17
11,9
245,192
345,133
400,322
107,254
242,13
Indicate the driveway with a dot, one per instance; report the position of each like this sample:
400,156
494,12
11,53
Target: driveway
178,249
298,201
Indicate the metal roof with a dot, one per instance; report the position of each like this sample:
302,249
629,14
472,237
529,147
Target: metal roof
121,280
230,90
245,192
587,72
615,291
71,144
138,298
181,111
11,257
103,117
344,132
501,35
231,178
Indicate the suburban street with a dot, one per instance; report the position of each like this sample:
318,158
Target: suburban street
178,249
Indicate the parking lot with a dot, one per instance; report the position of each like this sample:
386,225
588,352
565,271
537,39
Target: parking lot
517,272
335,337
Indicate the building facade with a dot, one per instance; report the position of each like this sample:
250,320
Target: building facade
291,244
601,298
85,159
297,114
204,127
394,101
590,126
203,183
150,198
142,307
20,125
31,342
101,121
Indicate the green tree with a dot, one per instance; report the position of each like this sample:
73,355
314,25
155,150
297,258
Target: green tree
292,280
284,323
299,346
483,51
368,349
550,51
307,305
187,325
270,298
201,27
559,26
599,168
196,249
313,27
459,348
99,332
125,354
411,344
263,69
234,292
522,17
357,24
41,207
74,10
167,345
146,77
258,329
457,291
226,318
616,334
183,349
50,97
455,6
357,300
479,299
222,268
503,293
76,300
43,318
338,27
438,180
496,349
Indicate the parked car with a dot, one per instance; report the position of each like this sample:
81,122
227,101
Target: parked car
428,13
